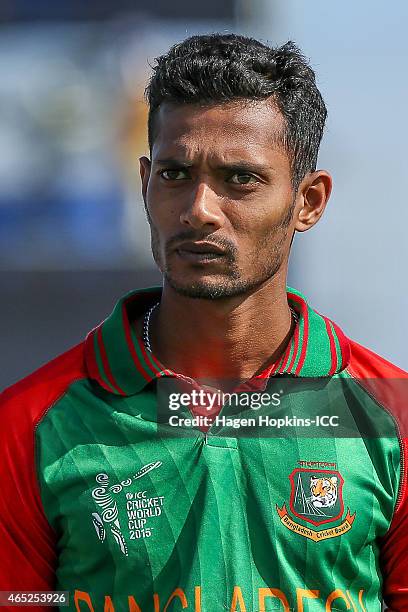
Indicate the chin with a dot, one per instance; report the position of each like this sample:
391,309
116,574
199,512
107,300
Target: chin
210,289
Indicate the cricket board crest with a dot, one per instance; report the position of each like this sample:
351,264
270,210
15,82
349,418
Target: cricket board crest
316,497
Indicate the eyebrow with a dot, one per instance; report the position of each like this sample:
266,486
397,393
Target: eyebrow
238,166
173,162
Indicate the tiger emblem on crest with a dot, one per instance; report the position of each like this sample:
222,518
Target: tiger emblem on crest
323,491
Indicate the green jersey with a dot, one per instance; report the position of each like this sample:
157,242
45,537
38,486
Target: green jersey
135,488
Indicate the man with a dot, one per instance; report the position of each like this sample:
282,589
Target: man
215,444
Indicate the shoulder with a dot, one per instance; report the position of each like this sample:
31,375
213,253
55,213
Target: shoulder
22,407
385,382
27,400
364,363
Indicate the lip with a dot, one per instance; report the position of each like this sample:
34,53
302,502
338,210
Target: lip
200,248
199,257
199,252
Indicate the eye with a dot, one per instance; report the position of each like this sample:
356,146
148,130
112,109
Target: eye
174,175
242,178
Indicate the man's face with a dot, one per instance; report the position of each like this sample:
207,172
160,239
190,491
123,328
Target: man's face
219,197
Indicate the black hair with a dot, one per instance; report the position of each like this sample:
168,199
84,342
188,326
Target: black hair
219,68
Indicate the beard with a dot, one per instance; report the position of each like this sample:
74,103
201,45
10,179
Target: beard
231,282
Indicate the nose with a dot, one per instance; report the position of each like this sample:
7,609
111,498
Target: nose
203,209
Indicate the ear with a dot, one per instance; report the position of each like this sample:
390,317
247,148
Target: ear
313,194
145,167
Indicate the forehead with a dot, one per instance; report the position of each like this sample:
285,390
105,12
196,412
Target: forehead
248,130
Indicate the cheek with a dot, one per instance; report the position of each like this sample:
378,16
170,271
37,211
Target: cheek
272,211
159,213
263,228
161,206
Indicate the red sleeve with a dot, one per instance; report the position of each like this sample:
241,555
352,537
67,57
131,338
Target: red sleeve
27,542
389,386
395,553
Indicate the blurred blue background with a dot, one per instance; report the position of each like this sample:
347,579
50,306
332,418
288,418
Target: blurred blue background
73,235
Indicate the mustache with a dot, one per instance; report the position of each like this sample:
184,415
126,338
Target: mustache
229,248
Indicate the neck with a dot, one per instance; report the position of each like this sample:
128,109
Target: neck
227,339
